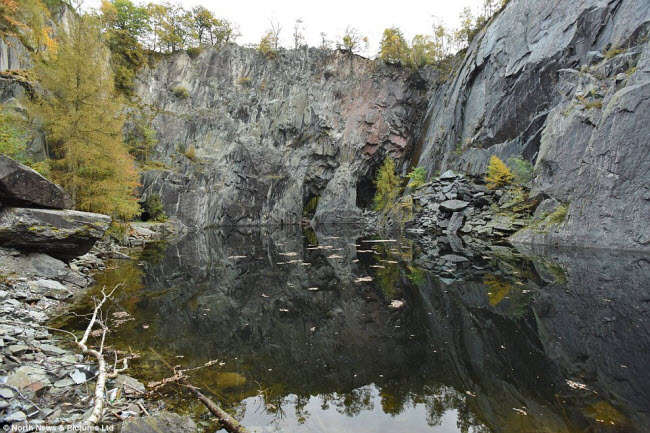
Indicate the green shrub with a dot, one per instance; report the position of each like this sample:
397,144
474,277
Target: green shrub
181,92
154,207
559,215
13,138
521,169
418,177
194,52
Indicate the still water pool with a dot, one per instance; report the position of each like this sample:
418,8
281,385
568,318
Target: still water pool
337,331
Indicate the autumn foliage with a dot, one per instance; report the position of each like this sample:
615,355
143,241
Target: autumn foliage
498,173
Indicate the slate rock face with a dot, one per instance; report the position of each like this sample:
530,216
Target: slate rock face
565,85
269,135
22,186
61,234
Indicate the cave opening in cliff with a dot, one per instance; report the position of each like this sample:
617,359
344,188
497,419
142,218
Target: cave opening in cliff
366,191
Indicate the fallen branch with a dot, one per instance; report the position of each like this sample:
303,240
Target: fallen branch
229,423
103,375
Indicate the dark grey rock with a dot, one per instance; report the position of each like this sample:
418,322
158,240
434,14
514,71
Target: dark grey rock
448,175
561,104
294,133
62,234
453,258
453,205
455,223
22,186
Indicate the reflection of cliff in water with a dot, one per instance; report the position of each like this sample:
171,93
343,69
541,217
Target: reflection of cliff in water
503,341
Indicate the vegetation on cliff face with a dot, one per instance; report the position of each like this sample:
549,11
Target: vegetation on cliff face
387,185
83,120
27,19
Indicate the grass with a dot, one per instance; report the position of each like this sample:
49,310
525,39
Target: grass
613,52
558,215
181,92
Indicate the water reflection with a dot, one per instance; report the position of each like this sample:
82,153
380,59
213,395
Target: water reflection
334,331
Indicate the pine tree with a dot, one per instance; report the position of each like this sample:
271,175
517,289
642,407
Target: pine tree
82,116
386,184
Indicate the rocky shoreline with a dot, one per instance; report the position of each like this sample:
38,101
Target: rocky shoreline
48,254
44,380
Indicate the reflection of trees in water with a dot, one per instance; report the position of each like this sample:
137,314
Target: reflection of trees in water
389,258
395,397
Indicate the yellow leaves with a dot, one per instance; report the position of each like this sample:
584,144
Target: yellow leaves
387,184
498,289
498,173
83,121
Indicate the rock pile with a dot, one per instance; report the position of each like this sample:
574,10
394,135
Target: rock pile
41,381
455,204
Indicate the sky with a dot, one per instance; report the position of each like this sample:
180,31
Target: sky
332,17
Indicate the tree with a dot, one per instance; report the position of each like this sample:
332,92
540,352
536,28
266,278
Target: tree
201,23
421,51
465,32
82,118
126,25
222,32
298,36
126,16
417,176
393,46
267,44
325,43
352,41
386,184
26,19
275,31
498,173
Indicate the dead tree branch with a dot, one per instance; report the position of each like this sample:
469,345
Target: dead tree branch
103,375
229,423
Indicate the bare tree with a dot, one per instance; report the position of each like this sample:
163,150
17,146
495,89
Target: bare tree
325,44
352,41
275,30
298,36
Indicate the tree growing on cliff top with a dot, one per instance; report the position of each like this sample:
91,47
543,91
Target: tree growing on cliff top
387,185
393,47
352,41
82,117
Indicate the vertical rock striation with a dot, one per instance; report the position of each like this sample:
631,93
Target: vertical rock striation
269,135
566,85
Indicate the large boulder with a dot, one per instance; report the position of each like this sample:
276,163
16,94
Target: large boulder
22,186
64,234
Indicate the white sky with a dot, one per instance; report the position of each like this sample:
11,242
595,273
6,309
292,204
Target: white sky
331,16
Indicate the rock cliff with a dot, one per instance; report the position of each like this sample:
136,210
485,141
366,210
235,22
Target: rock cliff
269,135
565,84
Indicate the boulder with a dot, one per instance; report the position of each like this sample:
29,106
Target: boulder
455,223
453,205
162,422
40,266
64,234
22,186
448,175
